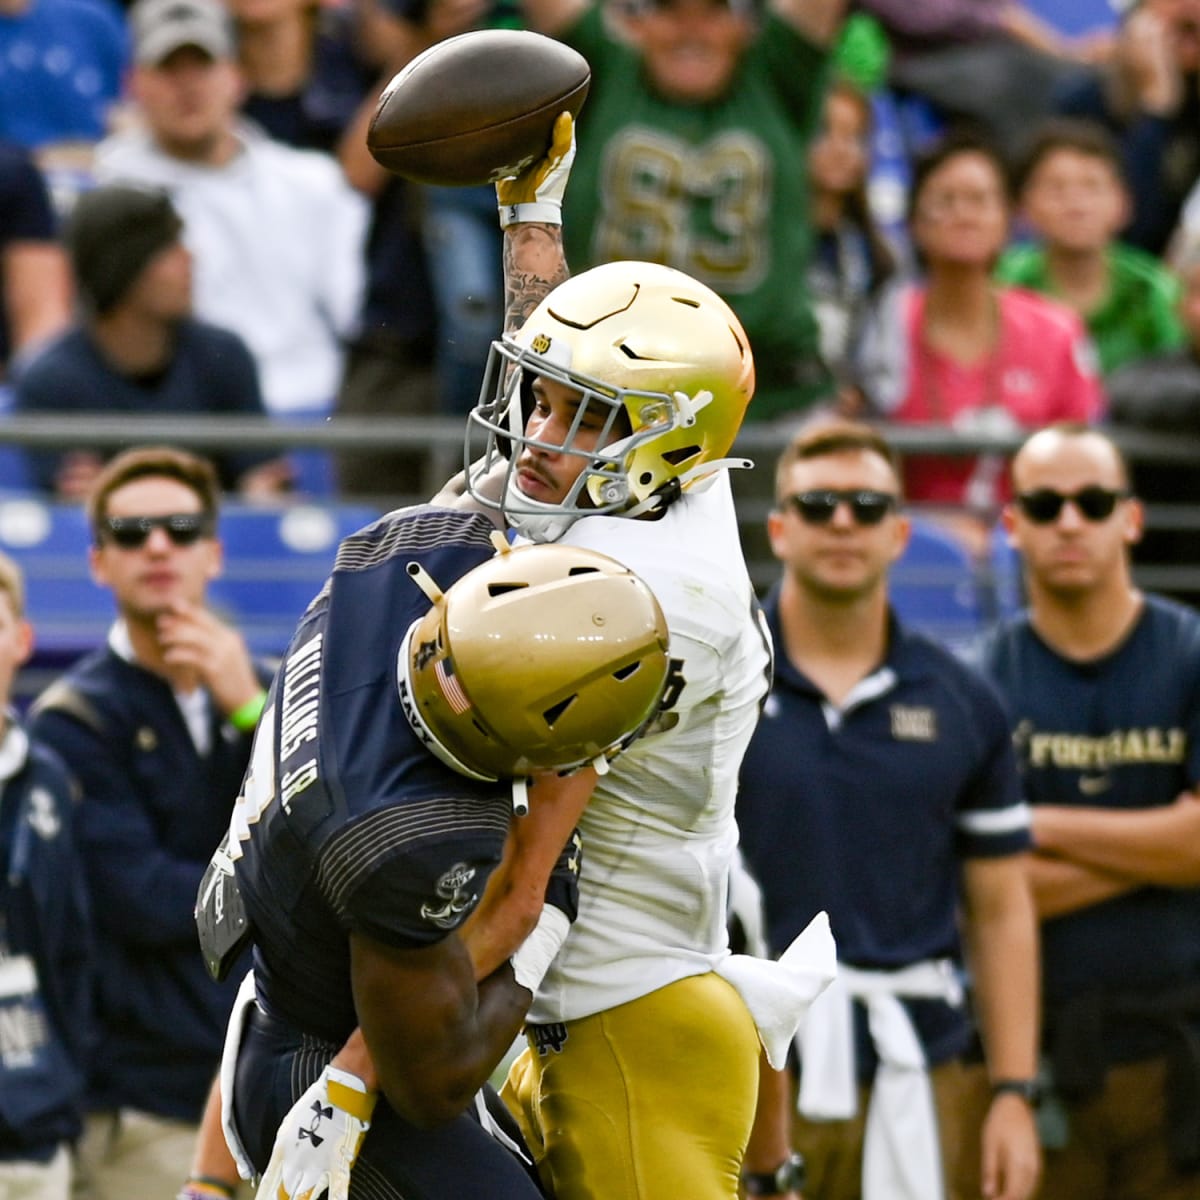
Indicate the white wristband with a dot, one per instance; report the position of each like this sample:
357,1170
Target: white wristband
547,213
535,954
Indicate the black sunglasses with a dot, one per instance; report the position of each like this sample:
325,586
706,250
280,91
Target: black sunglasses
1096,503
130,533
817,507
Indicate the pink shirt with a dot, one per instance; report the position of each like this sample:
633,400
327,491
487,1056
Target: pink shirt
1042,370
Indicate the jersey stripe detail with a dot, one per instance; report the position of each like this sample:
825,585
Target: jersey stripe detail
399,533
353,852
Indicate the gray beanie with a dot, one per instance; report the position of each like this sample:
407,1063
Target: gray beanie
112,234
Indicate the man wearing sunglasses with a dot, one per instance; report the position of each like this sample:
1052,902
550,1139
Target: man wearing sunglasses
1102,683
156,725
880,786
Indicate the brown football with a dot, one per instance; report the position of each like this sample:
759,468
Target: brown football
477,107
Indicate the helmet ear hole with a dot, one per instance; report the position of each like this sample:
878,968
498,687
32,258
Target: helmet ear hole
554,712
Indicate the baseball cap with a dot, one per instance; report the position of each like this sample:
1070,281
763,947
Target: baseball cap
160,27
112,234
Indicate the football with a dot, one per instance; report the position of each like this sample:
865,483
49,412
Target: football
477,107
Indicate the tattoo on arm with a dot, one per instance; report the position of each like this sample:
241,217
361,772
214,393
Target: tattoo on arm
534,265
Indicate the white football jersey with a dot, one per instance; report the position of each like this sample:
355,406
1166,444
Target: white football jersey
659,833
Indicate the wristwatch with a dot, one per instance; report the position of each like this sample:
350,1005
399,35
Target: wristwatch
1028,1089
787,1177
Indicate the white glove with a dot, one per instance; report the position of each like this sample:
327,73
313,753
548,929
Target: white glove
319,1140
537,193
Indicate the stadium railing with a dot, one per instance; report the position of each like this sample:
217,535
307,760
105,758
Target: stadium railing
277,556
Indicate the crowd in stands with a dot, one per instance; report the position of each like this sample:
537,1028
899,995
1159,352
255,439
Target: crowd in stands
953,214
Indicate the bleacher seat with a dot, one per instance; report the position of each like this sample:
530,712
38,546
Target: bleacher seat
1076,17
50,542
1003,576
934,587
276,560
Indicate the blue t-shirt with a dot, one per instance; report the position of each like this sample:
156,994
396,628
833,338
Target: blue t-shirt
1119,732
363,830
868,811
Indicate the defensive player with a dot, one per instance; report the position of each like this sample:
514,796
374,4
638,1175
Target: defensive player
376,808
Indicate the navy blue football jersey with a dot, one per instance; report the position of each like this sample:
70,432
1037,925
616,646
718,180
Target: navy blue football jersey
348,823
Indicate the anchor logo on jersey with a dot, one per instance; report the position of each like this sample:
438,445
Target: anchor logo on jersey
452,889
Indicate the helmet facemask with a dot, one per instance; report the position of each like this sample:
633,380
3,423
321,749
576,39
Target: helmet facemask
599,436
663,374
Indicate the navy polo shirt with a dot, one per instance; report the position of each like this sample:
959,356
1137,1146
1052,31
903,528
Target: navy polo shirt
867,810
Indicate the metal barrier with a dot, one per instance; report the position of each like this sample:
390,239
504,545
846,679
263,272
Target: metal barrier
440,439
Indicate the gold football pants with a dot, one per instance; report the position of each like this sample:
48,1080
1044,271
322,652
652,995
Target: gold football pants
652,1100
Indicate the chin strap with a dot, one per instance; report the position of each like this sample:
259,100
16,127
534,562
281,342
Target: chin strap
670,491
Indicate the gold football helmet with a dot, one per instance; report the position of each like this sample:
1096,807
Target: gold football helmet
544,658
663,370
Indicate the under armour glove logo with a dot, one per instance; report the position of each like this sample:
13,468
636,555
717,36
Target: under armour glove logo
320,1113
318,1141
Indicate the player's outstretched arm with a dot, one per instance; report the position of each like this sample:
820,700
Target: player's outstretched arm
530,206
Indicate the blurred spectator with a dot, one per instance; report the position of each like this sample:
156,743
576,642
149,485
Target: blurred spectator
64,66
852,259
462,235
1075,202
304,75
157,726
990,62
1161,394
692,152
1102,686
136,348
1148,94
36,282
276,233
1187,233
957,349
390,362
907,809
44,944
